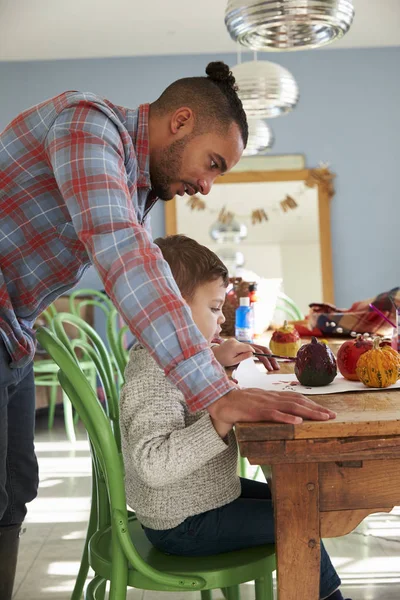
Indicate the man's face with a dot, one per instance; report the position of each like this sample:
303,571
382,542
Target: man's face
191,163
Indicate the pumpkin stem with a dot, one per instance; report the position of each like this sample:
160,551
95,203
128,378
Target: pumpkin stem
314,340
284,324
377,342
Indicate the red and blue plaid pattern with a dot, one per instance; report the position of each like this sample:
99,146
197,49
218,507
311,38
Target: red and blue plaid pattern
75,190
359,318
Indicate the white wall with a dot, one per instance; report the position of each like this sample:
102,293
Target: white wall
303,284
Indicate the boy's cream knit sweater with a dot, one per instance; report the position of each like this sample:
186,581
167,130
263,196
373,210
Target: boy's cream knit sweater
176,465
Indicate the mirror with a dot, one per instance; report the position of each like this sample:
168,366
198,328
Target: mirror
274,224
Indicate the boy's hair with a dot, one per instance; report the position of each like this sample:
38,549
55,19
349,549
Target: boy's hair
191,263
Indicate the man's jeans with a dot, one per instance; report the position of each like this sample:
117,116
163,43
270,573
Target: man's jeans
245,522
18,464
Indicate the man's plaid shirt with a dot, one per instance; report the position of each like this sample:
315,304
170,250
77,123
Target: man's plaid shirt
74,190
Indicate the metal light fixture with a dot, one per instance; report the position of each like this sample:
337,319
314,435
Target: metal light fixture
266,89
260,138
287,24
231,233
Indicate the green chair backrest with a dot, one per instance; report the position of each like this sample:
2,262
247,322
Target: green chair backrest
115,337
107,458
92,297
94,349
115,334
287,305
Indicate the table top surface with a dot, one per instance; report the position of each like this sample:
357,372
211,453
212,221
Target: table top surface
369,413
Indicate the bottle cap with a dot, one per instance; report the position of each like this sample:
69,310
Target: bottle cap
245,301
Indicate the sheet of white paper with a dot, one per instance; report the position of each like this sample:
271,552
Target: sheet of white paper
248,375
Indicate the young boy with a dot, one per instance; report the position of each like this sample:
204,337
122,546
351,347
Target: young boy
181,468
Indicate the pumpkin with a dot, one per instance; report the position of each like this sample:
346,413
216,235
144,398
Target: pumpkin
315,364
348,355
379,367
285,341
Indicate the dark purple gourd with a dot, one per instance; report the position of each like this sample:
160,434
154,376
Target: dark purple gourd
315,364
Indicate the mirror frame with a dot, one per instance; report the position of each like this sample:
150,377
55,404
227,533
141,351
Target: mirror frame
320,177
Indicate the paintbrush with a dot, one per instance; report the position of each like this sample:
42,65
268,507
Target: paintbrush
382,315
274,356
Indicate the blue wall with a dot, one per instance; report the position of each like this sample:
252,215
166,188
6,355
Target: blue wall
348,115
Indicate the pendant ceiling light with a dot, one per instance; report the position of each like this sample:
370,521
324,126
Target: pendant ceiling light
266,89
232,232
287,24
260,138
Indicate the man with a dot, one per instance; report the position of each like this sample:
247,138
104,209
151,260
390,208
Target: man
78,177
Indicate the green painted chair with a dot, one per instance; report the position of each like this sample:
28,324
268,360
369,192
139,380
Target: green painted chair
90,342
45,372
76,304
115,333
289,307
119,551
115,338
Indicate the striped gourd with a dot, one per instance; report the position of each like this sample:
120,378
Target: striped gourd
378,367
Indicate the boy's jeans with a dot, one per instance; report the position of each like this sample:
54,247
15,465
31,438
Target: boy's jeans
18,464
247,521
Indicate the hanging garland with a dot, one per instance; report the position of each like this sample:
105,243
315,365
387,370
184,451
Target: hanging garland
315,177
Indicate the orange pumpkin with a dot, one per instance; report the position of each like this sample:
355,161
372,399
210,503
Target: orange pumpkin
379,367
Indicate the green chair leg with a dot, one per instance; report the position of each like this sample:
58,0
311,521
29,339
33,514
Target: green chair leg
52,405
76,418
84,566
264,588
69,419
233,592
206,594
95,587
101,590
242,466
119,572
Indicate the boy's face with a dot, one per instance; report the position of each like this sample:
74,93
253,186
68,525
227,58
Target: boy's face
206,306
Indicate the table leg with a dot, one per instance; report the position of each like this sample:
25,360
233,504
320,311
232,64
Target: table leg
297,533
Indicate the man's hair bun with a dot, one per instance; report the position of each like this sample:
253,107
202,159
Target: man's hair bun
220,73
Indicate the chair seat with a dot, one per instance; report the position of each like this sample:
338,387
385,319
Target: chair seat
218,571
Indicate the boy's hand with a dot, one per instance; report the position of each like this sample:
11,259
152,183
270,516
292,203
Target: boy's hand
232,352
271,364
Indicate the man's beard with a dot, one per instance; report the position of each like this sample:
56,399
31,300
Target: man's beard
167,168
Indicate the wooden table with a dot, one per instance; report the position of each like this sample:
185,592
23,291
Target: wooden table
326,478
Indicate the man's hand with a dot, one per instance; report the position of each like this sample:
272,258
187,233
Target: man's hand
253,404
